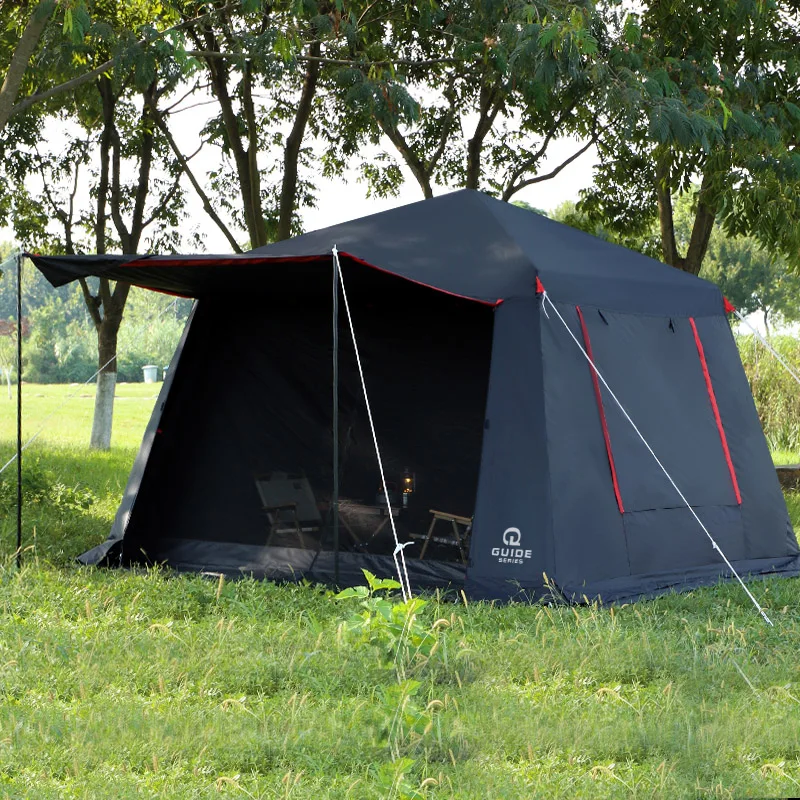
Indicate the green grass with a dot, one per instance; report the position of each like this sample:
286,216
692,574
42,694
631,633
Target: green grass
144,684
785,457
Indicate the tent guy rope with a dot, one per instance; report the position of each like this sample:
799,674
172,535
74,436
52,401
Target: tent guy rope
546,299
399,546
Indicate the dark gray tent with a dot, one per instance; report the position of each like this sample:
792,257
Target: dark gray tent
477,392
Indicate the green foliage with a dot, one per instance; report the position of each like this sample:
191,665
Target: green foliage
646,242
405,647
389,626
696,98
775,391
752,279
41,487
62,345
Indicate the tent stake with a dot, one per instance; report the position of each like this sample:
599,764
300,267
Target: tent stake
19,410
335,499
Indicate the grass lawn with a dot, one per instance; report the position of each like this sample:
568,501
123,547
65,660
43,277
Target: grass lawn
143,684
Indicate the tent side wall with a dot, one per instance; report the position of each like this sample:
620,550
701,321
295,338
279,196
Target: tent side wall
109,550
767,528
512,536
626,532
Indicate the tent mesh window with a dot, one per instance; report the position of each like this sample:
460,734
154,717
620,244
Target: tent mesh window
245,453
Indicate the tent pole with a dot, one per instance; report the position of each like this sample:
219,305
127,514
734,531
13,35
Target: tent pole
335,498
19,410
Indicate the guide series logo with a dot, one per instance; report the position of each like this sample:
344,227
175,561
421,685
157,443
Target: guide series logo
512,553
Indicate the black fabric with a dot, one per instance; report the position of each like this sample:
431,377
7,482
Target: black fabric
652,366
490,404
512,542
294,564
270,410
588,535
767,528
625,589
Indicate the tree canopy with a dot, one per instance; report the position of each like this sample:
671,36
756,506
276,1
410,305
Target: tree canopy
711,95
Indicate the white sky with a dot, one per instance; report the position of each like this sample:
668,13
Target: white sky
339,202
346,198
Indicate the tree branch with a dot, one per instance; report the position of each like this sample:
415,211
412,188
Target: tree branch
510,191
145,163
80,80
104,87
531,162
702,228
491,101
413,161
184,162
291,153
92,303
253,174
165,199
669,248
447,126
37,22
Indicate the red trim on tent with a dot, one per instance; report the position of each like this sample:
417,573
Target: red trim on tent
712,397
420,283
729,307
161,261
599,397
539,286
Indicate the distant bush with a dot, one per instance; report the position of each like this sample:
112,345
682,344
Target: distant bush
775,391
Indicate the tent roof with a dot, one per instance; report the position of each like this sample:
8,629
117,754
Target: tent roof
464,243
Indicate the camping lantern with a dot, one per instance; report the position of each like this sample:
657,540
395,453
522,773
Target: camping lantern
408,485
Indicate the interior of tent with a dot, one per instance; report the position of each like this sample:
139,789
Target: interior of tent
244,446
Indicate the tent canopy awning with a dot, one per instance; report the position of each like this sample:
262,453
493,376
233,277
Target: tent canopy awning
464,243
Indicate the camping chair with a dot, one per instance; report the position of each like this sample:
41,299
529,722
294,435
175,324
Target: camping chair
290,505
462,528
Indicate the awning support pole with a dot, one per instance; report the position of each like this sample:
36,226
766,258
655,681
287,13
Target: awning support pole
335,498
19,410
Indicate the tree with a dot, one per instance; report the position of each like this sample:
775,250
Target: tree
113,129
646,242
710,96
23,30
9,330
281,74
498,82
752,279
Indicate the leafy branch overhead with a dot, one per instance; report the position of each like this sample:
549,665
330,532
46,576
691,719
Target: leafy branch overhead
712,96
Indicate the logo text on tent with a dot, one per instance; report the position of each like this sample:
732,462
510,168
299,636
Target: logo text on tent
512,553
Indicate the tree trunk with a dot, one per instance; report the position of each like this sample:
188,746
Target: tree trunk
491,101
106,383
291,154
666,220
418,168
765,312
20,58
701,229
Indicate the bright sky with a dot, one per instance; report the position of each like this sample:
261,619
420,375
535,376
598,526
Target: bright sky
342,200
339,201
